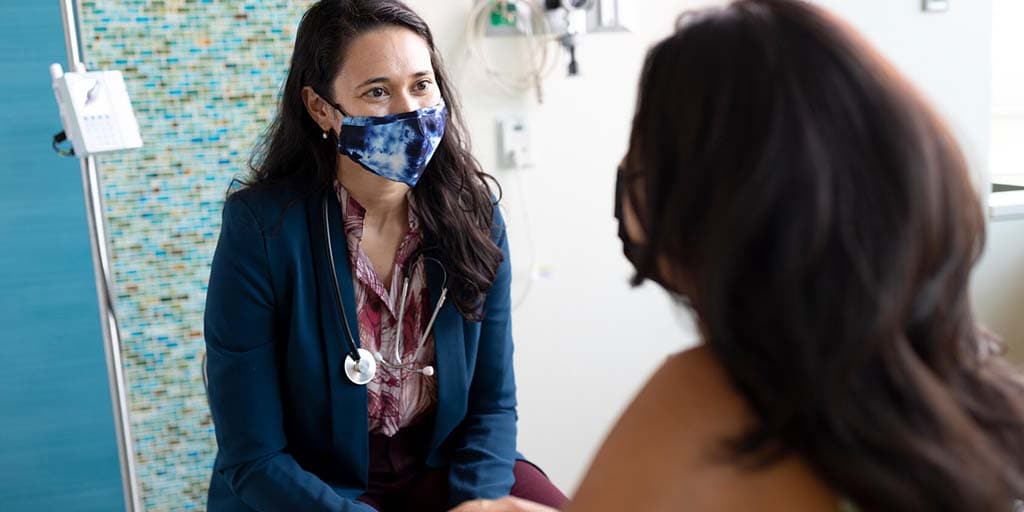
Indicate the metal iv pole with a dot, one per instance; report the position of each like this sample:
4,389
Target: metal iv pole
101,267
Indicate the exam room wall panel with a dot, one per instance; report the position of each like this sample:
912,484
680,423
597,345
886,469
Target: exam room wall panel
57,447
204,77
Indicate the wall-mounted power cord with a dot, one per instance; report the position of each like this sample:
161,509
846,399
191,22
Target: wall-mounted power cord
532,268
58,139
530,19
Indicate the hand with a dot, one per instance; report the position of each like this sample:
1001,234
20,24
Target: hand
507,504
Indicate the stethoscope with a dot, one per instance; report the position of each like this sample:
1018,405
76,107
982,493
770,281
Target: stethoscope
360,364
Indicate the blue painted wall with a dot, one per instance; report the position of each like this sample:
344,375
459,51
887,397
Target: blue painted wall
57,446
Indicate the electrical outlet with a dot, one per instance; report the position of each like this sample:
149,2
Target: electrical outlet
513,143
935,5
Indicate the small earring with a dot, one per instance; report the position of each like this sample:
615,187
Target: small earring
325,135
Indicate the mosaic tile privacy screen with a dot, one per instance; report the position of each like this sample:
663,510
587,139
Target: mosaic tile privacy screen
204,77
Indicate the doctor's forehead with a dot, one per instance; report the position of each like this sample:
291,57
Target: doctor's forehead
393,53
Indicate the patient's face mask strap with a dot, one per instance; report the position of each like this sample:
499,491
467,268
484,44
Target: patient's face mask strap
631,249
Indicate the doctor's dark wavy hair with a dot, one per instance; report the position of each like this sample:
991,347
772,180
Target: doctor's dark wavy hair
820,218
453,198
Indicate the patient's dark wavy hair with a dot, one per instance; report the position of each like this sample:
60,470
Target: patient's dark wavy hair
453,198
820,219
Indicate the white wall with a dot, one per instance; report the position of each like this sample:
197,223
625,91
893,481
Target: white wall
947,55
585,340
999,281
1007,154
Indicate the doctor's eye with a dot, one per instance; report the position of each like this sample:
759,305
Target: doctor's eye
423,85
376,92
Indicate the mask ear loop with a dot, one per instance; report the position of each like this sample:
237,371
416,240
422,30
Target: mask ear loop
335,106
625,190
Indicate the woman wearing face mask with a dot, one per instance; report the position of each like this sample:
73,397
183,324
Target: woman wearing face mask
818,218
358,320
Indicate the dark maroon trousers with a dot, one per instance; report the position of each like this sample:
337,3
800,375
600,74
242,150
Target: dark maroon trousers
400,481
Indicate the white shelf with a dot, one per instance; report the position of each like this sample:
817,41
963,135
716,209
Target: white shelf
1006,205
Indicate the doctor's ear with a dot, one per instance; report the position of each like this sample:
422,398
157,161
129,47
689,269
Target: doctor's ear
323,113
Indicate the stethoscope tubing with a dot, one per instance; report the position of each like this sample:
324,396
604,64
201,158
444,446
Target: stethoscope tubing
360,365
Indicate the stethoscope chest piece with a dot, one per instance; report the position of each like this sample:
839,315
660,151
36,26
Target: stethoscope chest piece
360,372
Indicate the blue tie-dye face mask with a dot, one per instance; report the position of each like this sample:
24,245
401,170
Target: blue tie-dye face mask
398,146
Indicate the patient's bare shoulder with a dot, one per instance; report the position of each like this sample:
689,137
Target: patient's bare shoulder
666,452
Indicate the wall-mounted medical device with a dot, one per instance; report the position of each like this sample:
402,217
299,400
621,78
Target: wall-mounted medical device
95,110
571,19
568,20
544,26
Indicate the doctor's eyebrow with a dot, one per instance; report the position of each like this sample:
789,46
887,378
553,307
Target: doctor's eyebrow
384,79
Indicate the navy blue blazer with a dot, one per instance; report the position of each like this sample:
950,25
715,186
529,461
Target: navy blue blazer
292,431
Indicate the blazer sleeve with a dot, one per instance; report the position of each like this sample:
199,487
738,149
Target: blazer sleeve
243,378
483,459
